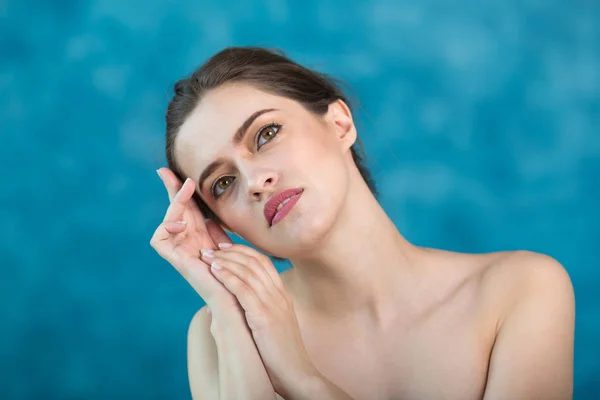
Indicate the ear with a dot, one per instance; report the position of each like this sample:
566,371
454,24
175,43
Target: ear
341,117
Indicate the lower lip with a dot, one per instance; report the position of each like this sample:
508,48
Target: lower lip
286,208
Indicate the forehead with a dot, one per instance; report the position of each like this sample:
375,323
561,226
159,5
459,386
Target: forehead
211,125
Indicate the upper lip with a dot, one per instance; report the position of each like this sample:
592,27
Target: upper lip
276,199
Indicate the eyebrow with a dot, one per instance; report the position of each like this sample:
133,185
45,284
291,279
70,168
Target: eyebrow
237,138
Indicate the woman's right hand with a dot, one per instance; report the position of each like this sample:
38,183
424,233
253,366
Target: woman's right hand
180,245
181,236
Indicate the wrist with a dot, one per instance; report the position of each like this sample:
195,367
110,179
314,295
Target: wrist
227,320
303,385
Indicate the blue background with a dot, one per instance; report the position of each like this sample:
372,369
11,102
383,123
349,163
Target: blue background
481,124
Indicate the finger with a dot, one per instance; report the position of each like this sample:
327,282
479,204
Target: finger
173,184
264,260
159,241
246,295
170,180
245,273
180,201
216,233
246,268
175,227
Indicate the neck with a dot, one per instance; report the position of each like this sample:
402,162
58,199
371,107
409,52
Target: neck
361,266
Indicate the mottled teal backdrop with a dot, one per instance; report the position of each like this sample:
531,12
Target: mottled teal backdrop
481,121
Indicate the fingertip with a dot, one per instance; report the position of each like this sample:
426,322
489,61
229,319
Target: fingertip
189,182
160,176
182,189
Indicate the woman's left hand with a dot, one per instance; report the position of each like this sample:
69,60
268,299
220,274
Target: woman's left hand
269,310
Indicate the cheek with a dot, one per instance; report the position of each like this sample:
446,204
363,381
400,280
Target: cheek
235,215
307,153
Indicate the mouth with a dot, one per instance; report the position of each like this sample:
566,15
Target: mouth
281,204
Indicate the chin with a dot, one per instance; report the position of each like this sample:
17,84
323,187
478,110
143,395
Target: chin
301,235
301,232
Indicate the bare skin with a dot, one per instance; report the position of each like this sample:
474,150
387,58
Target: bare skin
438,345
380,317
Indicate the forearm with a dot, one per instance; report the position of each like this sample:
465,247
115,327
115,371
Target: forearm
241,371
316,386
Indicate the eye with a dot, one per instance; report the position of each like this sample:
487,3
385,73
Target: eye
267,132
222,183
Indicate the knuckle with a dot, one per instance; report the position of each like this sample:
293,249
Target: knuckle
260,319
240,287
264,259
279,285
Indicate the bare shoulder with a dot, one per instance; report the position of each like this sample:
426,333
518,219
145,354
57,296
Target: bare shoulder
524,270
200,319
199,325
202,357
501,280
513,277
203,360
532,354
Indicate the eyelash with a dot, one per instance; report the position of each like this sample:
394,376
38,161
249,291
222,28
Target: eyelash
257,137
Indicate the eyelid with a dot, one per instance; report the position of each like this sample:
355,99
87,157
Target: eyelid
260,130
256,137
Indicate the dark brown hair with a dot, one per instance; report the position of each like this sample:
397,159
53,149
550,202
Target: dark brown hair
268,70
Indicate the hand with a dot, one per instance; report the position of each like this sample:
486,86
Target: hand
180,244
269,312
181,235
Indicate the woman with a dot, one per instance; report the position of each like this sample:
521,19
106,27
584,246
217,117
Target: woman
362,313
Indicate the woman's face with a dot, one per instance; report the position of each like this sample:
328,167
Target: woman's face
281,146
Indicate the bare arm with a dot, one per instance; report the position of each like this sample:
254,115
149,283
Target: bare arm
532,357
318,387
203,370
223,362
242,374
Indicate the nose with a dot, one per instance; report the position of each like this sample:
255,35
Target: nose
260,182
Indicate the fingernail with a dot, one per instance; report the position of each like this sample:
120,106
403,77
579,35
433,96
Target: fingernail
208,253
181,222
215,265
158,173
224,245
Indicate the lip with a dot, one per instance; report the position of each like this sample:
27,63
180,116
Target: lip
271,205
